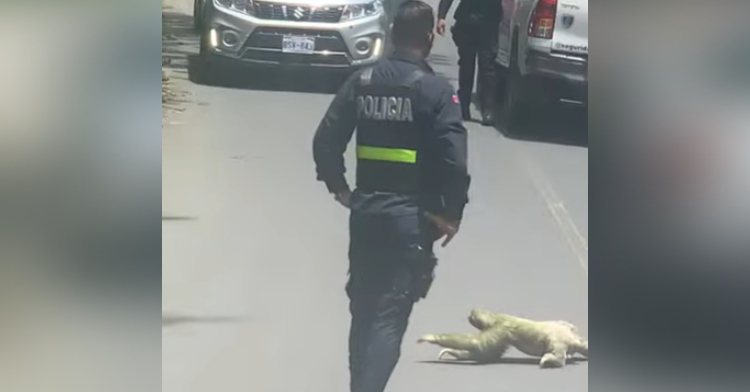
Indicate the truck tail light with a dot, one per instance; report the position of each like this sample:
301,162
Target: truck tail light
542,23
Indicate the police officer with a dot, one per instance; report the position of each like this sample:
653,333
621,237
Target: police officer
411,188
475,35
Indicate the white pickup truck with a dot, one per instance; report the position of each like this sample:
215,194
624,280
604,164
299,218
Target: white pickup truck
542,56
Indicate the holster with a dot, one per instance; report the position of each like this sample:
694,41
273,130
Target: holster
423,271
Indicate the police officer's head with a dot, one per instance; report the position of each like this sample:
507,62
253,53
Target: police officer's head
413,27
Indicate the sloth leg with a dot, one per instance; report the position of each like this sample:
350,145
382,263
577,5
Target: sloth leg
483,347
554,358
454,341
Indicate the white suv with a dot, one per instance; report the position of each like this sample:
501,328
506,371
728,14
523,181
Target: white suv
542,55
326,34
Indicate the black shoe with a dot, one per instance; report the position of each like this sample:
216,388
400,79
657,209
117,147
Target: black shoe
488,118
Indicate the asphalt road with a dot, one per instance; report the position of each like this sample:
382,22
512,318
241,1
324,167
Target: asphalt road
254,249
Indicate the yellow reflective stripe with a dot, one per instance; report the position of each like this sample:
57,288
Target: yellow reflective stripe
386,154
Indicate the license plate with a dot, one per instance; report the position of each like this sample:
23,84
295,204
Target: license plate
304,45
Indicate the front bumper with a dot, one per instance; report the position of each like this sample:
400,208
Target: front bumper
259,40
570,69
559,74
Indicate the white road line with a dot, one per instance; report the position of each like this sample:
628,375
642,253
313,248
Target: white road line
556,207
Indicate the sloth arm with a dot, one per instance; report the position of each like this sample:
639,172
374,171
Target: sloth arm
491,342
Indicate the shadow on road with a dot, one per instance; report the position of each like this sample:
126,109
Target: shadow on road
178,218
561,124
175,320
503,361
265,79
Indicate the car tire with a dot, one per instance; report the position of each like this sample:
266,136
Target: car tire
198,15
516,99
206,68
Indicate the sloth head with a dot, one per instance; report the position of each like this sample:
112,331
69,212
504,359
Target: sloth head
481,319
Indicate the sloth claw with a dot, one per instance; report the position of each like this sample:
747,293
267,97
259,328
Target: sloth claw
427,339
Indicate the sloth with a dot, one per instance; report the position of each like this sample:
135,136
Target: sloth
553,341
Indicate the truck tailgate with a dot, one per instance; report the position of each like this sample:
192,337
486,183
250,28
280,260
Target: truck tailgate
571,34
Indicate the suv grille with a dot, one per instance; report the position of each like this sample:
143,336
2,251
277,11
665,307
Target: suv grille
297,13
270,38
265,45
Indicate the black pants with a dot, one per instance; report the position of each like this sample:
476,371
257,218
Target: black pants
381,291
477,43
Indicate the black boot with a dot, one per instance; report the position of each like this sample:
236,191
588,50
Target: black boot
487,103
488,118
465,101
487,78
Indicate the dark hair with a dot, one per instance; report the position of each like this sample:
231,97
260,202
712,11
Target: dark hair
413,23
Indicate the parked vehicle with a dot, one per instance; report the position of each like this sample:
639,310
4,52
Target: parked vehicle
542,56
321,34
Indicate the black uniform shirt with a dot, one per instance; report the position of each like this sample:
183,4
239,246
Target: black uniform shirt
472,10
444,178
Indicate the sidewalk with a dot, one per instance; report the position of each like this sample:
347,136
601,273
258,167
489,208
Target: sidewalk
181,140
178,42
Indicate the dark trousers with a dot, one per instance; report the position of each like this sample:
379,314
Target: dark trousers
477,44
381,292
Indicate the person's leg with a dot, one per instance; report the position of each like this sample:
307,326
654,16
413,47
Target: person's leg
361,309
384,337
361,290
487,78
467,54
382,297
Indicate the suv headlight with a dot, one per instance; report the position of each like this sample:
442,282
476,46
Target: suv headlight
356,11
244,6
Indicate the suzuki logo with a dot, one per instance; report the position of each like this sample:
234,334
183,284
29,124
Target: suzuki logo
299,13
567,21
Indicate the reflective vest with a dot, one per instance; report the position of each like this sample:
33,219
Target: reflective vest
388,139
